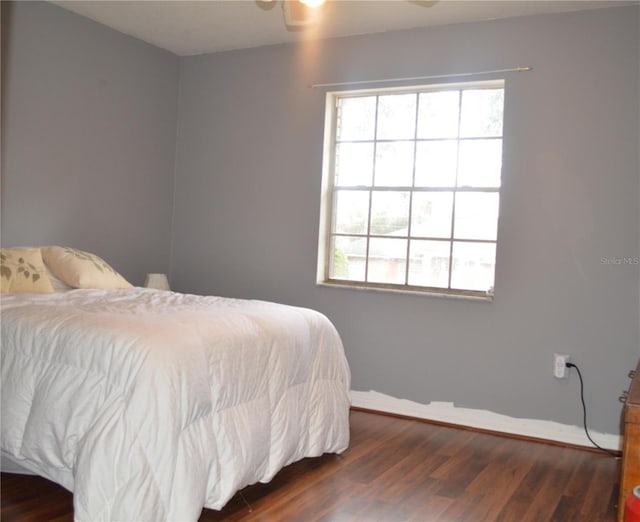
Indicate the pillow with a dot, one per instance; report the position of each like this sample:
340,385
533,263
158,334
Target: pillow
22,271
81,269
58,284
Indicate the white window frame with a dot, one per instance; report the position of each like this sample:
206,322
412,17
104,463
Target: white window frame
327,199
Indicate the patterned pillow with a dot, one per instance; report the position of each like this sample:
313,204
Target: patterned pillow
22,271
81,269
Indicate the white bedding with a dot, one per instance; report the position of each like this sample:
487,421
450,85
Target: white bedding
150,404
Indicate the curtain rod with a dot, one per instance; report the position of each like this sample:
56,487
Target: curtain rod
411,78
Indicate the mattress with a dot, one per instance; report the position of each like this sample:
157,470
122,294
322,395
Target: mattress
149,405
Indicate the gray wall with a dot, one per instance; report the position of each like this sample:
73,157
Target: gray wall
88,138
248,173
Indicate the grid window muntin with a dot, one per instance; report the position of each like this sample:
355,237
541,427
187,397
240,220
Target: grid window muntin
381,255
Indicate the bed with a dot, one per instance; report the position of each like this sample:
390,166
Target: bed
150,404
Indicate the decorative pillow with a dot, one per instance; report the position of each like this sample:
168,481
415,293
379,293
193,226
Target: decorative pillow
81,269
22,271
58,284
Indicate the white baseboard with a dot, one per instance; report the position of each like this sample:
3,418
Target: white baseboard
483,419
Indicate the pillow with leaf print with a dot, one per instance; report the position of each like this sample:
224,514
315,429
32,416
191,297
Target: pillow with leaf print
22,271
81,269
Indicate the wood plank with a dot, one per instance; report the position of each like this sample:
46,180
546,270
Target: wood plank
398,469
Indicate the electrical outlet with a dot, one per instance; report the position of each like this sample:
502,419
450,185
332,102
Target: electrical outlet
560,370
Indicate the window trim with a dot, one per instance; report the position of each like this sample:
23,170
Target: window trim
327,195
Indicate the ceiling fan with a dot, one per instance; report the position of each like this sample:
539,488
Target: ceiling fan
299,14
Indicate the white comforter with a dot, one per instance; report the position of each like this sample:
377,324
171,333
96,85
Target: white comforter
149,404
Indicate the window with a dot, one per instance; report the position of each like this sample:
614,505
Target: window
411,189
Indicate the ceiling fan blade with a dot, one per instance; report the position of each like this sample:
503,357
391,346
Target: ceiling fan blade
265,5
423,3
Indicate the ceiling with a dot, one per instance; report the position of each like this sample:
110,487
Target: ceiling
187,27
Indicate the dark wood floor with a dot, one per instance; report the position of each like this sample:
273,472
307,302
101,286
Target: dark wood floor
398,470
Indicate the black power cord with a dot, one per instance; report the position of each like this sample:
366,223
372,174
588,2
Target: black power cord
584,412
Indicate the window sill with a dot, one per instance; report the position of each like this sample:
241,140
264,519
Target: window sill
487,298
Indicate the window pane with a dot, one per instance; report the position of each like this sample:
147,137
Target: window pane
429,263
481,113
480,163
354,164
390,213
356,119
438,114
348,258
436,163
396,117
416,175
476,216
351,212
473,266
394,164
431,214
387,260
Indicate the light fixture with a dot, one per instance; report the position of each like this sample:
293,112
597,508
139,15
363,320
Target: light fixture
299,14
157,281
312,3
308,3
